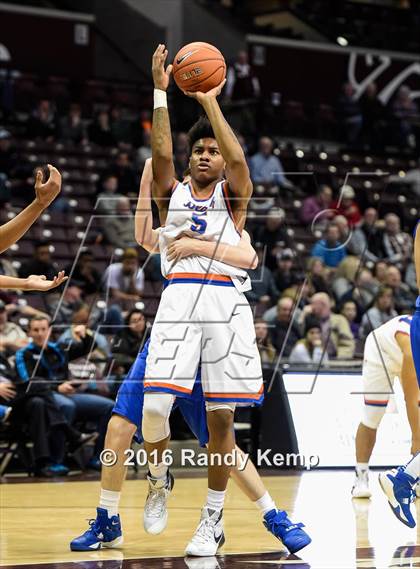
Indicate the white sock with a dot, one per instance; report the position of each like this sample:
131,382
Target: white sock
265,503
361,468
158,470
413,467
215,499
109,501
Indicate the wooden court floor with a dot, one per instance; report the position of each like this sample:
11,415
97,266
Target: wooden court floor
39,519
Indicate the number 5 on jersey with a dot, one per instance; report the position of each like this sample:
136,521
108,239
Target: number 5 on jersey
200,224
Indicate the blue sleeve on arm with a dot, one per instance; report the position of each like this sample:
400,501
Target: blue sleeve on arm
21,365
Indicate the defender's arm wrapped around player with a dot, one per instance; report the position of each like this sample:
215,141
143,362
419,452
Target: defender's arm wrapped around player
243,255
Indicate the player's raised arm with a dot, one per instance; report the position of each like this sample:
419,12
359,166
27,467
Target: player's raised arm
33,282
237,172
145,235
242,255
163,166
45,193
417,253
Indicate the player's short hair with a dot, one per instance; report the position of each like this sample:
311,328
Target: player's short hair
39,318
200,129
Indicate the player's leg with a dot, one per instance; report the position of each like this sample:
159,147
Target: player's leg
156,411
105,530
377,384
399,488
276,521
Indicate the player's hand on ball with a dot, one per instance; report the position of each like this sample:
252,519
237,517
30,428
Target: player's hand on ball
203,97
46,192
40,282
160,75
181,248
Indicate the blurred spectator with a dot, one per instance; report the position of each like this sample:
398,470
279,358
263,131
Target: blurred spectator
336,332
349,311
125,280
266,168
364,240
43,122
411,278
100,132
345,276
181,154
53,367
346,206
264,288
285,275
380,272
129,341
381,311
397,246
310,349
12,337
125,173
350,114
373,115
404,299
313,206
61,309
273,234
405,112
242,91
41,264
120,127
82,315
317,275
283,339
72,128
119,229
241,82
108,196
145,150
84,274
362,292
265,347
330,250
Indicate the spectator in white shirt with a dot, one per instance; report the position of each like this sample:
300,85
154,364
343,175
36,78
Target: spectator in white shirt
125,280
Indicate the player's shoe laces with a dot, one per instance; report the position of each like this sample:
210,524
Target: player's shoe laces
209,536
102,532
292,535
155,516
361,486
397,486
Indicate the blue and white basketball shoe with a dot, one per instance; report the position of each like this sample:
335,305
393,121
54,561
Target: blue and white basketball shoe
103,532
290,534
398,487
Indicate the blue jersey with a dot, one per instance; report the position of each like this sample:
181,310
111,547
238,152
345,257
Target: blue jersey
415,339
129,403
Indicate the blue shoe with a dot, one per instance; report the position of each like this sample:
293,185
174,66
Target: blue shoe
58,469
94,464
103,532
398,487
292,535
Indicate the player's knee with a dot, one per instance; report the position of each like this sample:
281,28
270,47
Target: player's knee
156,411
220,421
372,416
119,433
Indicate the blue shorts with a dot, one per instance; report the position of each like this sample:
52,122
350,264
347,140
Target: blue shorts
415,339
129,403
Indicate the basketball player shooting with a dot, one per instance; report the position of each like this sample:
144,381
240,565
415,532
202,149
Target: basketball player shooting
203,313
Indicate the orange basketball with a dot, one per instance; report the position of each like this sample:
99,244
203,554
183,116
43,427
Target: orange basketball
198,66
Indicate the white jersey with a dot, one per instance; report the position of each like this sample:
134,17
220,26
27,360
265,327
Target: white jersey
381,346
209,219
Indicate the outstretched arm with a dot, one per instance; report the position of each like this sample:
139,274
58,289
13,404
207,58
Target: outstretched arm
146,236
46,192
163,166
33,282
237,172
417,254
242,255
